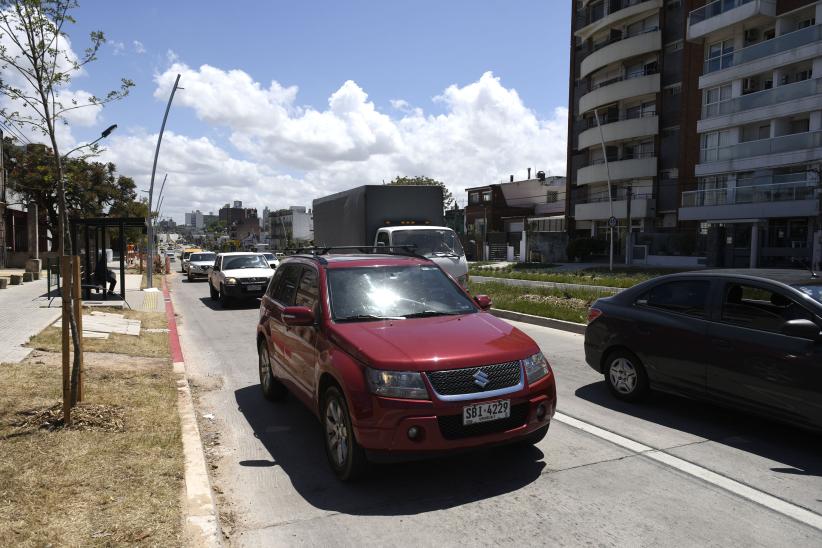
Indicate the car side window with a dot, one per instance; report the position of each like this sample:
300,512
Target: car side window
217,263
382,238
688,297
308,292
759,308
272,285
287,286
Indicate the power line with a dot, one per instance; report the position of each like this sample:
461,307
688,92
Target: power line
14,130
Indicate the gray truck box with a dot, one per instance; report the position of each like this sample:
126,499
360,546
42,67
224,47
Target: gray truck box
353,216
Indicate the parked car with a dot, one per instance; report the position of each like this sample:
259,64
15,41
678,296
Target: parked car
750,339
397,360
199,263
238,275
272,260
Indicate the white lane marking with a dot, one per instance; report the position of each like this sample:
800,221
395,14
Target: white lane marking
771,502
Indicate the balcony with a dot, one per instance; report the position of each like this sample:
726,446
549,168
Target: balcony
619,130
641,166
617,89
761,154
776,102
642,207
623,48
618,11
721,14
796,199
761,50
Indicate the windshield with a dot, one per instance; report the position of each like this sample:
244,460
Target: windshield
244,261
429,242
269,256
361,294
202,257
813,291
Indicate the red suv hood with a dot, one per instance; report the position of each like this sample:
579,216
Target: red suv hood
439,342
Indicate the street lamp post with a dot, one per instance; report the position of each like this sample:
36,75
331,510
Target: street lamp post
149,278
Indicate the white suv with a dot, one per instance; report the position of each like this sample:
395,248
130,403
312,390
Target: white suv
238,275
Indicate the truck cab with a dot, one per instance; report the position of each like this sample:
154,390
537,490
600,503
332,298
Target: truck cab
438,243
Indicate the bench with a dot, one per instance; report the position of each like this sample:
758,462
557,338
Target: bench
88,287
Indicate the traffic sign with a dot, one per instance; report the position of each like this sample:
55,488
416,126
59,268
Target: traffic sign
612,222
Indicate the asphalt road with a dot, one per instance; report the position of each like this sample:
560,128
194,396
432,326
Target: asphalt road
668,472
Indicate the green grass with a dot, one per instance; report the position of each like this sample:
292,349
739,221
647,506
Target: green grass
569,305
616,279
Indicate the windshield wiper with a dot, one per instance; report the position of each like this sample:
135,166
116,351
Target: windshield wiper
366,317
427,313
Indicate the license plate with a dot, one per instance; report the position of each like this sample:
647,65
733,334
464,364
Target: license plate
486,411
254,287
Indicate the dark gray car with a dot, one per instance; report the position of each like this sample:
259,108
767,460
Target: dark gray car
750,339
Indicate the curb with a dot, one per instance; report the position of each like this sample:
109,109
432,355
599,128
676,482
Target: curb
562,325
201,524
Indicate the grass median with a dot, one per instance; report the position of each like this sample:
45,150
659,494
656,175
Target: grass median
571,306
115,476
595,276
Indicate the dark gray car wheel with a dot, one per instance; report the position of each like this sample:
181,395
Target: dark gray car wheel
225,300
345,456
625,376
273,390
212,292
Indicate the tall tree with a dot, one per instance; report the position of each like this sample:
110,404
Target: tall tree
447,198
38,66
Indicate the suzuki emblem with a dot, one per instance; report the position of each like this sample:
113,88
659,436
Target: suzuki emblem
481,378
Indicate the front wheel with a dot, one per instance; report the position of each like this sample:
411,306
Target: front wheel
273,390
212,292
345,456
224,299
625,376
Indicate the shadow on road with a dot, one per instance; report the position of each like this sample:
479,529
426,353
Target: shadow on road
247,304
293,437
782,443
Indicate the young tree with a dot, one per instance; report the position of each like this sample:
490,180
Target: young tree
38,65
447,197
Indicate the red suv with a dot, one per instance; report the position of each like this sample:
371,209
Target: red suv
397,360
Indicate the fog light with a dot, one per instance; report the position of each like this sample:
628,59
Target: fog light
542,411
414,432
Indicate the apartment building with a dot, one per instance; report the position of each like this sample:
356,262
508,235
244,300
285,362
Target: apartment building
760,130
290,227
711,118
629,103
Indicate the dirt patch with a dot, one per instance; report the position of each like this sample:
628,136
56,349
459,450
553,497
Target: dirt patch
84,416
567,302
203,383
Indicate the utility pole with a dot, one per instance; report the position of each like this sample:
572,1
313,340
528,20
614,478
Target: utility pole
629,248
611,219
149,278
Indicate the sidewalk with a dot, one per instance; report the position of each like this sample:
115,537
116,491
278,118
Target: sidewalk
22,316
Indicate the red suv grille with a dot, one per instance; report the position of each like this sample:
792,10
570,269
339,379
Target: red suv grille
461,381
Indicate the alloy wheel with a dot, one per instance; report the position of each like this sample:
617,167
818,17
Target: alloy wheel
336,432
265,369
623,375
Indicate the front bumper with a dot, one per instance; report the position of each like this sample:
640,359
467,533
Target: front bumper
242,291
385,433
197,273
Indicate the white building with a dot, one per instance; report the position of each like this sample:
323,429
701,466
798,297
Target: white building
760,130
195,219
292,226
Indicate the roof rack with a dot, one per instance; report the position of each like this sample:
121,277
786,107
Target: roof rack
318,252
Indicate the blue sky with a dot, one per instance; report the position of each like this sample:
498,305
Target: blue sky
391,50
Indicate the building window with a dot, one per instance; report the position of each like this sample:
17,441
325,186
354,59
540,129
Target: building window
486,196
672,47
711,144
719,55
551,197
713,97
673,89
473,198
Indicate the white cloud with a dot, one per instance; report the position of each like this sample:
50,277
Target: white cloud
485,133
117,47
139,48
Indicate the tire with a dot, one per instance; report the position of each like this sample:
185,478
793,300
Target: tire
224,299
190,277
626,376
534,437
273,390
345,456
212,292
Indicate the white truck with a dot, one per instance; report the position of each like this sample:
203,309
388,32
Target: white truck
387,215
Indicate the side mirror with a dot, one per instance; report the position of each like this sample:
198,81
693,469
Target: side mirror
483,301
273,266
297,316
802,329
